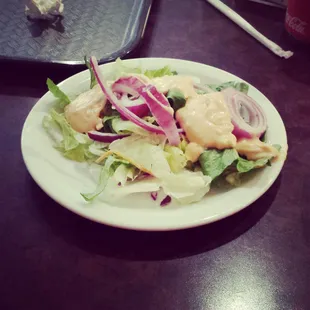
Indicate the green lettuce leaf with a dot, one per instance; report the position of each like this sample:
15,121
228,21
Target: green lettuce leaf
175,157
93,80
121,126
71,144
214,162
80,153
69,140
98,148
245,165
201,92
120,69
182,146
52,129
125,172
110,166
58,93
263,138
228,162
233,178
159,72
240,86
176,99
107,122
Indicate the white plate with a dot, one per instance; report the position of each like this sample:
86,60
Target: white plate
63,180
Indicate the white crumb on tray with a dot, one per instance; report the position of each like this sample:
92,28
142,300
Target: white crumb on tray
44,9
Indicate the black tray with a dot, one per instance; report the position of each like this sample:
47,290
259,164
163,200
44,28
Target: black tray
105,28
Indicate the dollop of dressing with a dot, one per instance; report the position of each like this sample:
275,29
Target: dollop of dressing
83,113
184,83
254,149
207,122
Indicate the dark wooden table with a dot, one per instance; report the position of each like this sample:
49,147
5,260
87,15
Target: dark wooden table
258,259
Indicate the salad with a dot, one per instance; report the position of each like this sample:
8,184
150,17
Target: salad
156,130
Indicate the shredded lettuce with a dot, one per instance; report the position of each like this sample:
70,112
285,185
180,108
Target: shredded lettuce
233,178
52,129
240,86
93,80
58,93
159,72
110,166
243,166
263,138
182,146
71,144
175,157
98,148
120,126
145,153
201,92
214,162
116,124
115,192
79,153
176,99
186,186
69,140
277,146
110,117
150,119
107,123
125,172
120,69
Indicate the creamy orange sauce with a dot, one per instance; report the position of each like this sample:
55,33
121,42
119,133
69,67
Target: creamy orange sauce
193,151
83,112
254,149
206,121
184,83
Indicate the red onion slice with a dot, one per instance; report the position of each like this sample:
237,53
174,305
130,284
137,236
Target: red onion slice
165,201
132,85
159,96
130,102
118,105
154,195
247,116
105,137
136,106
128,85
163,113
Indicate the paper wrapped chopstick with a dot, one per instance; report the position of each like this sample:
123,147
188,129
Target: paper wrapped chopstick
241,22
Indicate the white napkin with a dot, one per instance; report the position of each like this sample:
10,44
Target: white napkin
241,22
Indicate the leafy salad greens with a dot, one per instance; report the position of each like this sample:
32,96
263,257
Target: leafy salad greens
140,127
